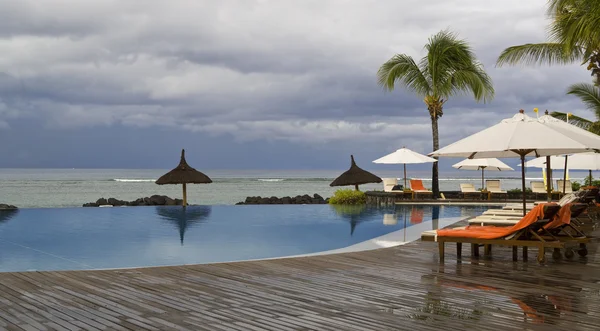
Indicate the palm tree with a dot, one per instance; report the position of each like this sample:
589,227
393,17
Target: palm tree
590,96
448,69
574,36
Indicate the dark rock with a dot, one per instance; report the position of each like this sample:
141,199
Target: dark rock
4,206
299,199
155,200
158,200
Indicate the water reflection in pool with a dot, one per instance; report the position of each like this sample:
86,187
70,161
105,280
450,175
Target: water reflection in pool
85,238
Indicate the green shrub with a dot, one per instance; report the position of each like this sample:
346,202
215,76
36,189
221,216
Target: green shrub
575,185
348,197
586,182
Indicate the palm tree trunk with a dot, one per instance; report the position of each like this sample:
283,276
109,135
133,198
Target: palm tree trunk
435,185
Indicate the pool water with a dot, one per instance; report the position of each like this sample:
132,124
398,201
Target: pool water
99,238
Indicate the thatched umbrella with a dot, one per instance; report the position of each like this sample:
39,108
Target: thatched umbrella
183,174
184,217
355,176
355,214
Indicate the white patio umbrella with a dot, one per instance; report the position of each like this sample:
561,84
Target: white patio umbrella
404,156
522,136
581,161
482,164
555,162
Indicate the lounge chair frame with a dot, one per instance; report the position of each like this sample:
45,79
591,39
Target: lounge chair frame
532,236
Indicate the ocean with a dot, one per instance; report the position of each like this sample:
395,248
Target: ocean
51,188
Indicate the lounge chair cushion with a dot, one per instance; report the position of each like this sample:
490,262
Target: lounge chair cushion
562,217
494,232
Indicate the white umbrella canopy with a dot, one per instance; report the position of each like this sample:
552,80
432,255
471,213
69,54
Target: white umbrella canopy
482,164
404,156
523,136
556,162
580,161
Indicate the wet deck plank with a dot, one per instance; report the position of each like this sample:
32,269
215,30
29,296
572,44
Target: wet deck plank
388,289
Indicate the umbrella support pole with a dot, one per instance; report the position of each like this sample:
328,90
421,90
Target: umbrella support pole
404,175
356,187
548,178
184,195
590,177
565,176
523,184
482,187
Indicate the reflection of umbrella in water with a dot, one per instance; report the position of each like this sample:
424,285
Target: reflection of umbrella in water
7,214
355,176
353,213
184,217
183,174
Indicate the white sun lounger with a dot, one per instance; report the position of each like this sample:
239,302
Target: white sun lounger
511,218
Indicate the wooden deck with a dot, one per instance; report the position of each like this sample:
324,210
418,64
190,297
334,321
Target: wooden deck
402,288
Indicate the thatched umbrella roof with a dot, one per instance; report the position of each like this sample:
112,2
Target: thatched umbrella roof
184,218
355,214
183,174
355,176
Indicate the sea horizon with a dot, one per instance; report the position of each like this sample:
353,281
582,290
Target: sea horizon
60,187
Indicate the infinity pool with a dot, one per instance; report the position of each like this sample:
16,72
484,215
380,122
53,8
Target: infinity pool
99,238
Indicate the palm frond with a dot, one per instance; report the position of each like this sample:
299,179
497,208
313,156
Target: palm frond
474,80
402,68
542,53
576,25
588,94
594,128
453,68
575,120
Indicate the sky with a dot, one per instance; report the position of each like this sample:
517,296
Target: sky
248,84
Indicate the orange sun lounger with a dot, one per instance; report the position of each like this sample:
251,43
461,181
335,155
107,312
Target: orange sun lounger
416,185
523,234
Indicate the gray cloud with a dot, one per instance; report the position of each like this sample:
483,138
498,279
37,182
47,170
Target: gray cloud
302,72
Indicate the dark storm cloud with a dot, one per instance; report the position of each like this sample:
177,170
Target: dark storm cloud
286,73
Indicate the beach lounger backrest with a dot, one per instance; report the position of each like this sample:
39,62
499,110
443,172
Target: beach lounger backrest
538,187
388,183
493,185
468,188
532,220
568,186
577,209
417,185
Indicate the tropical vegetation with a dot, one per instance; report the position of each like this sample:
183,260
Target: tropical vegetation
574,37
348,197
449,68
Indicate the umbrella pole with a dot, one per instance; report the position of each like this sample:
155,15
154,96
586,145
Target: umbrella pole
523,183
482,187
565,176
184,195
405,175
549,178
356,187
590,177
